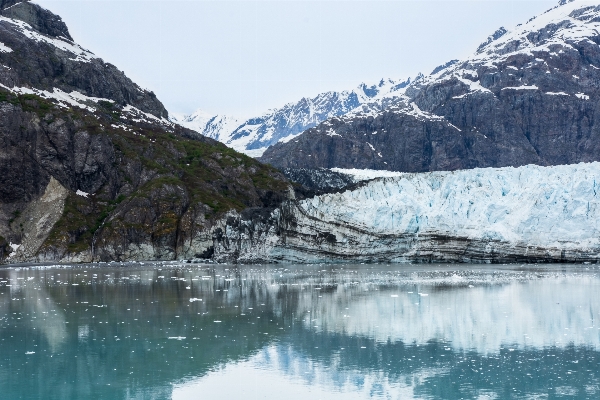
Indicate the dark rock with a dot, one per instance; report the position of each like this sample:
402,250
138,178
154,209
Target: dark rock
39,18
53,61
319,180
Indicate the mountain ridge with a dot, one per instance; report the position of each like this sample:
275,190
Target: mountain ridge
252,136
527,96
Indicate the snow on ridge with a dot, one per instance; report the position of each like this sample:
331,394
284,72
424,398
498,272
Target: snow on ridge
561,26
81,54
64,99
215,126
555,206
138,115
571,19
4,48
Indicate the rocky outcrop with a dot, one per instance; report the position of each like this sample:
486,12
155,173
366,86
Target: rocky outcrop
38,18
37,52
527,96
320,180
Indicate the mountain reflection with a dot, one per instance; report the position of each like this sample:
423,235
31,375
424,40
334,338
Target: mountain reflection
162,331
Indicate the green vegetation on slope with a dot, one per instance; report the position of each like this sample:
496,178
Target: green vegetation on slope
151,177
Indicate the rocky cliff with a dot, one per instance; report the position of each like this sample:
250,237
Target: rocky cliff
91,169
528,96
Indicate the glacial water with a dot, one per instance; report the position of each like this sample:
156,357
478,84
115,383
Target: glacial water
189,331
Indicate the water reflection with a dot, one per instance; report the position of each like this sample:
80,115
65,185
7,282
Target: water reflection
347,331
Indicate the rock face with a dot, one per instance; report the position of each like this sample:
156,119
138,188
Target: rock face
255,135
525,214
37,51
529,96
91,169
321,180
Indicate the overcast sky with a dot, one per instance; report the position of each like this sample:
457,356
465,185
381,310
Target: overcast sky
244,57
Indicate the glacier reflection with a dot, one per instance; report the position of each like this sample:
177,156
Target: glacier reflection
555,311
336,331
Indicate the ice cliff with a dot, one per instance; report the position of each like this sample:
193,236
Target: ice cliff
530,213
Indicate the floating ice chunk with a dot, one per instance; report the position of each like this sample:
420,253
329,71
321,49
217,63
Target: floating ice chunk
29,352
176,337
194,299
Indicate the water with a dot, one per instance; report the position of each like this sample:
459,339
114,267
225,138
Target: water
183,331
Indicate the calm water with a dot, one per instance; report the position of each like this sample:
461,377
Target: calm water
160,331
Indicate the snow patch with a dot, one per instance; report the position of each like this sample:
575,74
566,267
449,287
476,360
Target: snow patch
80,54
332,133
64,99
523,87
81,193
4,48
367,174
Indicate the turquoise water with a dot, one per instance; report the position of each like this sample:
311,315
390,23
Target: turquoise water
187,331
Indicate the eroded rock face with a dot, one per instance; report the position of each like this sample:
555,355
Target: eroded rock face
527,96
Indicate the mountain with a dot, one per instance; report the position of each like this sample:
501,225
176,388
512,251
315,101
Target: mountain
255,135
218,127
90,166
526,96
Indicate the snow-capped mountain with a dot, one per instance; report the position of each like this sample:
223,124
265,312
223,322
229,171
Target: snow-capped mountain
255,135
526,96
218,127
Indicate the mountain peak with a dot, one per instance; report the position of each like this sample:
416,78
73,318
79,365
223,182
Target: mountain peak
40,19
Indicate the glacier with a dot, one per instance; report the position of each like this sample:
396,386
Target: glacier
525,214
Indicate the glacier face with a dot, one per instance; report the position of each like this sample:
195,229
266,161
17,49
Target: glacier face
530,213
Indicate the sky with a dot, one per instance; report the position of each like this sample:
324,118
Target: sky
242,58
